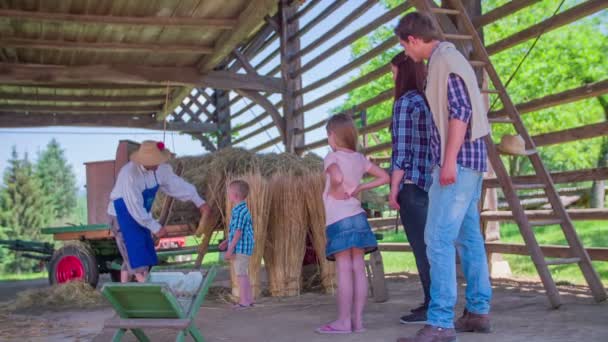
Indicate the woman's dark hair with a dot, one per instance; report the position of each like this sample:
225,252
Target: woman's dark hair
410,75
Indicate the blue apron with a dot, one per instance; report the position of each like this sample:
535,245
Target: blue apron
137,238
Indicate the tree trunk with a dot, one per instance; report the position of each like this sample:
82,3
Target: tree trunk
598,189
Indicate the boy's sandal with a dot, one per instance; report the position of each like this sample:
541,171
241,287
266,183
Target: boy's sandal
328,329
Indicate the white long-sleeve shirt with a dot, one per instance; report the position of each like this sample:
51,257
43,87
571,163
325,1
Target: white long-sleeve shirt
133,179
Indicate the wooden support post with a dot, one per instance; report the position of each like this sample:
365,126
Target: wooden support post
379,290
222,115
290,46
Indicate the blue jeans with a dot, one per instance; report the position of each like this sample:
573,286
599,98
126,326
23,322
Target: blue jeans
453,224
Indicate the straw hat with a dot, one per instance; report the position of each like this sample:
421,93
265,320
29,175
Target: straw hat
151,153
512,144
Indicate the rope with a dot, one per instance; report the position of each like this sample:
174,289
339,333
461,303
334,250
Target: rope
527,54
165,111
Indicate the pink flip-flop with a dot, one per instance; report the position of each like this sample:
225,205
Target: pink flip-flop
328,329
358,331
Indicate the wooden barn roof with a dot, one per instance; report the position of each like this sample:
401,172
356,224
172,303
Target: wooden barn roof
108,62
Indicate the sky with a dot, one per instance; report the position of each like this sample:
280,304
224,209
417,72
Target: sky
89,144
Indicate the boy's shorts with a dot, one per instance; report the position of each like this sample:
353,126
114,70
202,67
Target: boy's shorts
241,264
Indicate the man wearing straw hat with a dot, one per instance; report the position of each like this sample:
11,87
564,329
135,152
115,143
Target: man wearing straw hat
131,202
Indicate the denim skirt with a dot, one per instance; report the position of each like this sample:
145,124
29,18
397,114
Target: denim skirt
350,232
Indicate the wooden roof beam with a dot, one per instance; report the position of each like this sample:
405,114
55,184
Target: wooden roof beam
11,73
28,43
188,22
81,98
79,109
20,120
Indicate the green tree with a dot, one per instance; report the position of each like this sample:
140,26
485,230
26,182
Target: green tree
23,207
57,180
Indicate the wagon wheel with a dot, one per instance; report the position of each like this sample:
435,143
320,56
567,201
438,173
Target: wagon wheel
73,262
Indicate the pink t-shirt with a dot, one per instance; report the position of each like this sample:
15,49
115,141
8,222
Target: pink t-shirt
353,166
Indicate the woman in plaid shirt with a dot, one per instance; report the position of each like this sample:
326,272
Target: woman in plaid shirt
411,166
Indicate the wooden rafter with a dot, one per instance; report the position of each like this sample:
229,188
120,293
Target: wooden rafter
110,47
81,98
263,102
250,17
132,74
79,109
568,96
566,17
16,120
189,22
502,11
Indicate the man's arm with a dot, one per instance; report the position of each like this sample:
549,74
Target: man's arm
460,111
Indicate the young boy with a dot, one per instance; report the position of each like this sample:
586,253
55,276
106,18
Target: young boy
240,240
459,156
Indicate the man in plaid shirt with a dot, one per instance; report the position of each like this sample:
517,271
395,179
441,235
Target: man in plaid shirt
240,241
460,125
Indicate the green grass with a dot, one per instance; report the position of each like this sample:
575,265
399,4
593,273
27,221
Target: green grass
591,233
23,276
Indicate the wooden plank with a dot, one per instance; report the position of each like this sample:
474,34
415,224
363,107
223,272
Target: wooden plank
142,323
575,214
336,28
551,251
383,70
568,96
81,98
572,134
584,175
353,64
133,74
90,235
299,14
566,17
135,109
379,288
84,19
26,43
383,19
258,118
266,144
244,62
254,133
502,11
263,102
377,148
16,120
316,20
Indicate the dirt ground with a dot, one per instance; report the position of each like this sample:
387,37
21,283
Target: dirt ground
520,313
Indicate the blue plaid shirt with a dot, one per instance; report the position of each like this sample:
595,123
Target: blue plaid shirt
411,133
472,154
240,218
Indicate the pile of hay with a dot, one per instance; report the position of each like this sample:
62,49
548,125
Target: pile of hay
285,202
75,294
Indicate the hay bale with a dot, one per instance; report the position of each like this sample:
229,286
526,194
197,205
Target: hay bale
75,294
315,209
286,244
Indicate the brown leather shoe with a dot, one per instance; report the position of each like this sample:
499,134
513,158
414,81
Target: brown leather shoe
470,322
432,334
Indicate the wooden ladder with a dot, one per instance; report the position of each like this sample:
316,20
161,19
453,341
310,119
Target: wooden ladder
462,29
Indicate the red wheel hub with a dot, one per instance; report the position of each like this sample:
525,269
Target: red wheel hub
69,268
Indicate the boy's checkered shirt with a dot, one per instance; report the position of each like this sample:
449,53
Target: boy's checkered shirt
241,219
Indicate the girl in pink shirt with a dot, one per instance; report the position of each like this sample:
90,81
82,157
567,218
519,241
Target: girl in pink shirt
349,235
